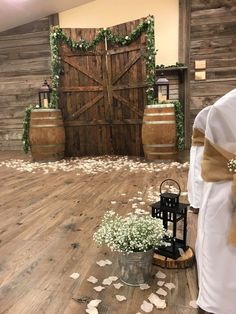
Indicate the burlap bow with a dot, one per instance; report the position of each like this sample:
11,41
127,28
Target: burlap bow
214,169
198,137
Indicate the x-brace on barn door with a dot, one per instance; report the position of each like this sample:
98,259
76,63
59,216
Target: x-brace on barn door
103,94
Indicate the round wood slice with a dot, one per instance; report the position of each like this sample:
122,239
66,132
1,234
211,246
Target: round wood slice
184,261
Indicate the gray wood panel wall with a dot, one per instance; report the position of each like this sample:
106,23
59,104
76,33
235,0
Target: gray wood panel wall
212,38
24,64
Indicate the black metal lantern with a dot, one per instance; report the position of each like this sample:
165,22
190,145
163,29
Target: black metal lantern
44,95
161,88
172,213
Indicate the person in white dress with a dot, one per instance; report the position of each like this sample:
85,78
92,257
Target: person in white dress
195,182
216,235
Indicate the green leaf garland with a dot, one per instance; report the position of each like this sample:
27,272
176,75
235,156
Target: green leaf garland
180,143
57,35
26,126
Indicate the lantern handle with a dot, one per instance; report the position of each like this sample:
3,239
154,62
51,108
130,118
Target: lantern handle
172,181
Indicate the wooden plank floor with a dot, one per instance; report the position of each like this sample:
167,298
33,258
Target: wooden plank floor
42,214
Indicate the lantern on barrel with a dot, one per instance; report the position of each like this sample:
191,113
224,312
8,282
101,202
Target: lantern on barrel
161,88
44,95
173,214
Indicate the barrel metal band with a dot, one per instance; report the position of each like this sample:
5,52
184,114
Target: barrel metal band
161,153
160,122
47,126
46,118
159,145
159,114
49,145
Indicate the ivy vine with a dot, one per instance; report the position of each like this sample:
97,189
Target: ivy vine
176,65
57,35
180,143
26,126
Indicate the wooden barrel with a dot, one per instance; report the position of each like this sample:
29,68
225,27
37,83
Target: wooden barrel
46,135
159,132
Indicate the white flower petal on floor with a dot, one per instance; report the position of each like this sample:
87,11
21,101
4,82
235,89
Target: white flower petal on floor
98,288
147,307
92,310
159,303
118,285
120,298
101,263
144,286
113,278
113,202
160,275
94,303
160,283
108,262
75,276
169,285
162,292
193,304
92,279
107,282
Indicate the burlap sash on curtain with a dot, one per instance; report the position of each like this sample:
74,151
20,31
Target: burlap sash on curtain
197,137
214,169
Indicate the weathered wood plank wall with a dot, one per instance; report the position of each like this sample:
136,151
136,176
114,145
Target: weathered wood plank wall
212,38
24,64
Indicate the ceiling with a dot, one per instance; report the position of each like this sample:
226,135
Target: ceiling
18,12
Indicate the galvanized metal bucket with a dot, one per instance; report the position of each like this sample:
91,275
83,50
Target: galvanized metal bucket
136,267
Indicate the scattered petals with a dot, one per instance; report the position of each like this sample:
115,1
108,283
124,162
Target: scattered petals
75,276
160,283
113,202
120,298
98,288
92,279
118,285
144,286
162,292
113,278
107,282
160,275
94,303
169,285
146,307
193,304
91,310
159,303
103,263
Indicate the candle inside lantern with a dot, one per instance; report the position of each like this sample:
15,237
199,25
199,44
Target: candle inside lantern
45,103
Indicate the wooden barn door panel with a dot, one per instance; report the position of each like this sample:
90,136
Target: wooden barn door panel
127,91
83,97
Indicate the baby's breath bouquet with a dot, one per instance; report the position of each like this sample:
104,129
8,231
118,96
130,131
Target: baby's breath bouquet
130,233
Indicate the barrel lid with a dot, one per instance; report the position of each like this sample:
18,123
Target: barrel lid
161,106
46,110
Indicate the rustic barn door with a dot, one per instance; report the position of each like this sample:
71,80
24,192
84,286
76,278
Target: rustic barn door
102,95
126,91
